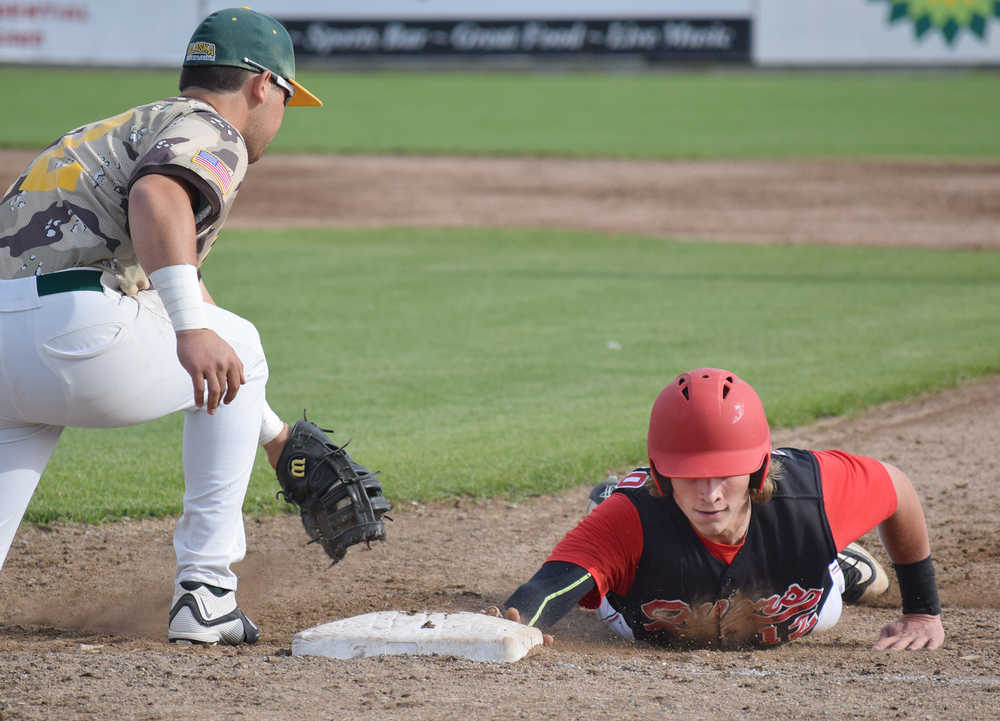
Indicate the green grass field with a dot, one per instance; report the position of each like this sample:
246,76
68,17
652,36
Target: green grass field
513,362
682,114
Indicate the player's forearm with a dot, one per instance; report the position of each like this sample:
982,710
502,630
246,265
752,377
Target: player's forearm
904,533
161,223
551,593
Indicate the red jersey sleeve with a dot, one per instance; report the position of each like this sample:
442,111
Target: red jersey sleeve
858,494
608,543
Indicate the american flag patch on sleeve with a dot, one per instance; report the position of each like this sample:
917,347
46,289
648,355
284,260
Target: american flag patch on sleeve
216,167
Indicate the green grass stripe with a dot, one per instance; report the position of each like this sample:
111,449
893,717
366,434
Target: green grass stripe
690,114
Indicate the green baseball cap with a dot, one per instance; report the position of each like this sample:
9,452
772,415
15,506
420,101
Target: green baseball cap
242,38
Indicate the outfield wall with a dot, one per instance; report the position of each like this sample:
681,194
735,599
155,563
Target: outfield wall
766,33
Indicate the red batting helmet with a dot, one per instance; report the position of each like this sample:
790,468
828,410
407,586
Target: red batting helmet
709,423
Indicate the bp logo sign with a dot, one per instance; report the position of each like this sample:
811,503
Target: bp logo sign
949,17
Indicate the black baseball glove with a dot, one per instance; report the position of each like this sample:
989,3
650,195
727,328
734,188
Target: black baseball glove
341,501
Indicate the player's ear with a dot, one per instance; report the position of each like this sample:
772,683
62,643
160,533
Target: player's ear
258,85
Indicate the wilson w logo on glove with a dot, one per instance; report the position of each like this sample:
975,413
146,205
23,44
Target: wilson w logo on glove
340,501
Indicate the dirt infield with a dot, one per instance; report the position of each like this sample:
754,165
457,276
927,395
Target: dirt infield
83,608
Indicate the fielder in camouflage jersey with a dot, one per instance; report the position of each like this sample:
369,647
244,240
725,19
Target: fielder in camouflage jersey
70,207
104,318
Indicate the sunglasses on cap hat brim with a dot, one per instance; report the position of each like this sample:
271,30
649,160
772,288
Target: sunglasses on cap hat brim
286,84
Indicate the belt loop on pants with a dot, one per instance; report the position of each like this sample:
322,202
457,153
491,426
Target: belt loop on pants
69,280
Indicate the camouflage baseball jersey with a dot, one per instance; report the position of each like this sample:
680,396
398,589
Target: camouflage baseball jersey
70,207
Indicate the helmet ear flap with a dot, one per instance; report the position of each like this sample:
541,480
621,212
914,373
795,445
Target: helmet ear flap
657,478
757,477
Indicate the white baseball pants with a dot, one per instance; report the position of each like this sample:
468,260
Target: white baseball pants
101,360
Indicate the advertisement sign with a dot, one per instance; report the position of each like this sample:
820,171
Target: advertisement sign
652,38
877,32
130,33
111,32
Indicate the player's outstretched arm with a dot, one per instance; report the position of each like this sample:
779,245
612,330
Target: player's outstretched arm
548,596
904,535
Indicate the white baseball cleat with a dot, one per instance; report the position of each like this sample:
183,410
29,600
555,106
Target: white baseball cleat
207,614
864,578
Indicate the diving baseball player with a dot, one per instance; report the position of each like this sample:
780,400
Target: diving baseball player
104,319
724,542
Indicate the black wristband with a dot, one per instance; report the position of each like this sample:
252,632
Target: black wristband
917,587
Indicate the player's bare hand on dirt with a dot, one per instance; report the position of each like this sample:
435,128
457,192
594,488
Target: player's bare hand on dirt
211,363
512,614
911,632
